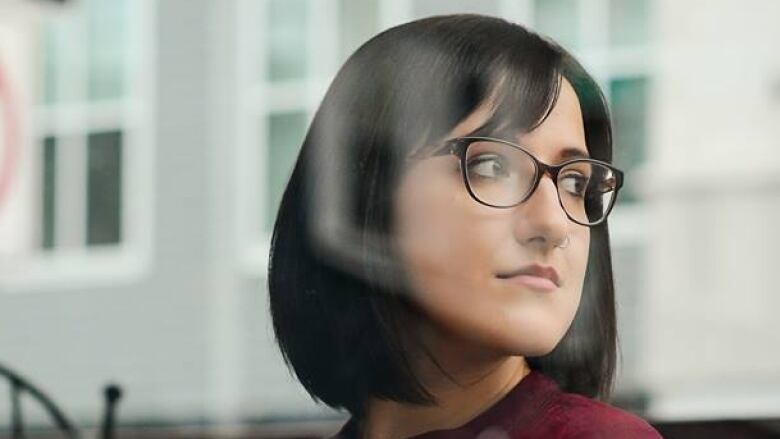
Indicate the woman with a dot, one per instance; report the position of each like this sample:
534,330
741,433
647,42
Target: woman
440,262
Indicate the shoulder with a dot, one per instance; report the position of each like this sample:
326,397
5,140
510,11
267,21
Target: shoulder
587,418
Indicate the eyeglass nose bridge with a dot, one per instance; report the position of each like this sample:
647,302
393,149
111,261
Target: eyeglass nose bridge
543,169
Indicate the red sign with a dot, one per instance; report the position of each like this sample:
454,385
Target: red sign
10,140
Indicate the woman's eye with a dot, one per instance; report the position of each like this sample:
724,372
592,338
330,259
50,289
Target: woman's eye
488,166
575,184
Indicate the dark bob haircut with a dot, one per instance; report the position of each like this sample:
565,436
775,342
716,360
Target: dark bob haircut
338,321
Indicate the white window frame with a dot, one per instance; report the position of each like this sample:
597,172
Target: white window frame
257,99
81,267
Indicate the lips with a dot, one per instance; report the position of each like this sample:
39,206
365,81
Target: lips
536,270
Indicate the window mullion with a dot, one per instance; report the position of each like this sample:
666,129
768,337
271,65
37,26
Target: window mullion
70,130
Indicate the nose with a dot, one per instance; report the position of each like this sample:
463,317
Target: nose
540,221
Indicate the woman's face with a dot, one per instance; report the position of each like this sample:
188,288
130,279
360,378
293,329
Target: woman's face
455,248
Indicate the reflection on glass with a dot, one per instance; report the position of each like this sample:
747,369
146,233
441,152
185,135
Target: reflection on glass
286,132
104,188
287,34
629,110
558,19
48,197
628,22
106,47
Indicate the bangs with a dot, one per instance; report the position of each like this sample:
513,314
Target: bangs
521,104
526,93
520,81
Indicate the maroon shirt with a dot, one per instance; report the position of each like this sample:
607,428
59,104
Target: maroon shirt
537,408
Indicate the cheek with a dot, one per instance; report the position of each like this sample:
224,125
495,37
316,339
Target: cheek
434,227
437,240
448,244
445,241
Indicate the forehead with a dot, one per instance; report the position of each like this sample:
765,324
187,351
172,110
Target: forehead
560,135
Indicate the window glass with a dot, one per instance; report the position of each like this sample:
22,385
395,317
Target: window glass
559,20
424,8
287,35
48,187
286,132
106,48
358,21
48,42
628,98
59,39
104,187
628,22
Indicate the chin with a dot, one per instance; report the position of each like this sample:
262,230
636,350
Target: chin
535,349
537,346
540,351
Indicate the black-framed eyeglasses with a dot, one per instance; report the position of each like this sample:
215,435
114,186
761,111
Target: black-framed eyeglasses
502,174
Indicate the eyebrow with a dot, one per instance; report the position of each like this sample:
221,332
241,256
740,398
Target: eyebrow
485,130
573,153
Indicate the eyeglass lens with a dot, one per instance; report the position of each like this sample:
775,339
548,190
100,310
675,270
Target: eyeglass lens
501,175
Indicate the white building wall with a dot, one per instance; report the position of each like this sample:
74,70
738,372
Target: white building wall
709,320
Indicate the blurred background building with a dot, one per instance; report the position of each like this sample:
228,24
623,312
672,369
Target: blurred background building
144,146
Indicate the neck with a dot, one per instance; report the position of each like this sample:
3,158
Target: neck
473,380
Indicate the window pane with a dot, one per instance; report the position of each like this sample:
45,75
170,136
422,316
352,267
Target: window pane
106,47
286,132
104,188
287,36
629,107
358,21
58,40
628,22
48,197
424,8
558,19
48,41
